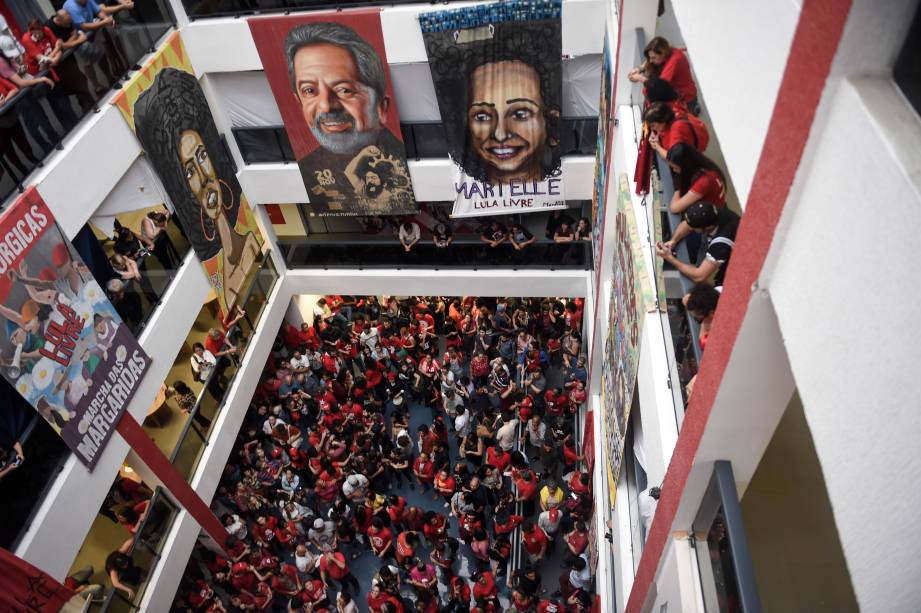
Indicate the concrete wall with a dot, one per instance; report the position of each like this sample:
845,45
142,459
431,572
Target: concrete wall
849,328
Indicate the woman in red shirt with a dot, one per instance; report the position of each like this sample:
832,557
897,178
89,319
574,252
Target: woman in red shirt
445,484
699,179
670,64
668,128
577,540
43,49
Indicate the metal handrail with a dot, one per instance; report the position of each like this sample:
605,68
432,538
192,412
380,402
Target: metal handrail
23,96
668,190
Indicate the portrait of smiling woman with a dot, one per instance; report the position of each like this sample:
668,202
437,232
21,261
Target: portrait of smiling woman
505,127
174,124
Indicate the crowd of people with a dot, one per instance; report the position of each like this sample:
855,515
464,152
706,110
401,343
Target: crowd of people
421,437
561,228
32,68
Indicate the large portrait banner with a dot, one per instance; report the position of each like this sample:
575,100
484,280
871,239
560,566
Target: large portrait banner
603,152
167,109
626,314
62,345
329,75
497,70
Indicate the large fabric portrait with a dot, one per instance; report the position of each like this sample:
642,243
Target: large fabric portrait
329,75
167,109
498,79
626,316
63,346
603,148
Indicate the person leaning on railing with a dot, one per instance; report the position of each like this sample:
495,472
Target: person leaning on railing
13,70
718,226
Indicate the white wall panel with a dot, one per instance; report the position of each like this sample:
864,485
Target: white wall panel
847,321
75,181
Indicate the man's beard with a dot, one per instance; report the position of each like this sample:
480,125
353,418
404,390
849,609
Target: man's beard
352,141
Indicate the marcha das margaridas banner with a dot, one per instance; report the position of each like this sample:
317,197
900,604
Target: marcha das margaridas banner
62,344
498,79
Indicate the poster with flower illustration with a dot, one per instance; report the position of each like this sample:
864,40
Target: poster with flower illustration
62,344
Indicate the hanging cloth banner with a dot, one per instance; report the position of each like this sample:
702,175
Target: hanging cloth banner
25,588
165,106
498,72
330,78
626,314
63,346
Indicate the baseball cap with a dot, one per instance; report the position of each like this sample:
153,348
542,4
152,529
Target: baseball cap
701,215
318,523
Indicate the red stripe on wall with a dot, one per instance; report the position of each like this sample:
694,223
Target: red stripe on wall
178,487
815,42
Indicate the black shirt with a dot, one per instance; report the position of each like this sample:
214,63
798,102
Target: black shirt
720,243
62,32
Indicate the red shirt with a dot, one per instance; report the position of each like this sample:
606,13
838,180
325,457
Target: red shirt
313,590
375,604
404,549
548,606
458,584
380,539
486,590
333,570
395,511
34,49
578,541
526,489
214,344
425,471
708,184
245,580
685,130
499,460
435,530
447,484
347,348
677,71
535,540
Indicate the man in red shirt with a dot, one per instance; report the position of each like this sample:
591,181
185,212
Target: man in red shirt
378,598
535,541
286,581
380,537
526,484
498,458
333,567
484,586
424,469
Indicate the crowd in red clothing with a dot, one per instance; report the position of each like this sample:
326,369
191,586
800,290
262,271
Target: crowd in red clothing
326,449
